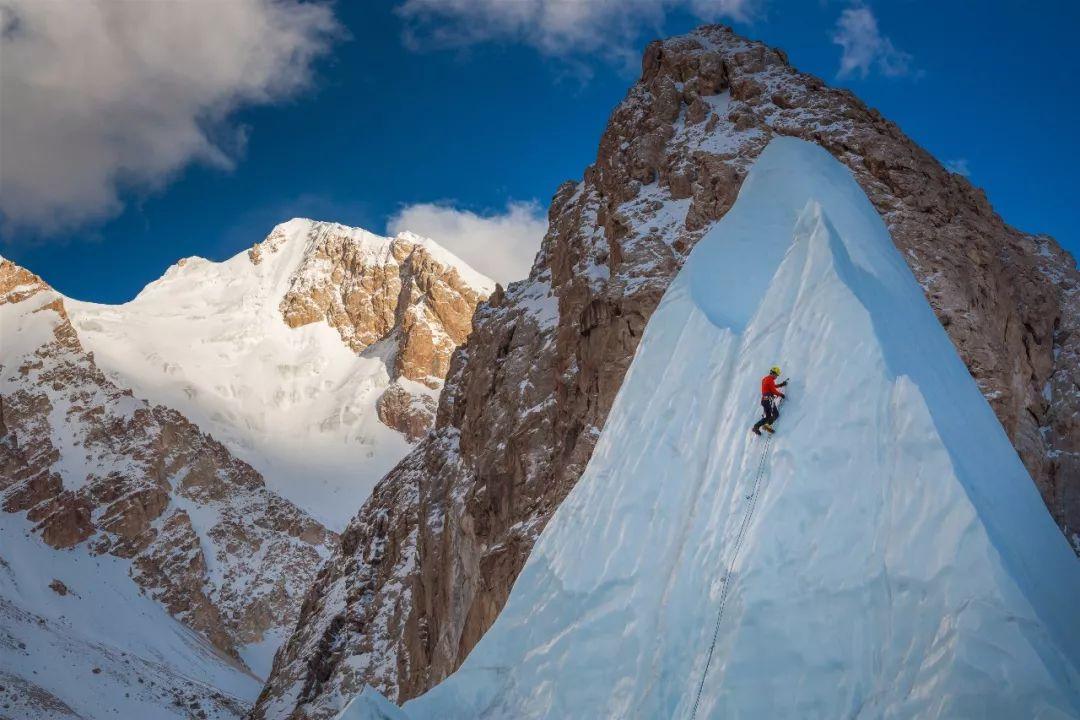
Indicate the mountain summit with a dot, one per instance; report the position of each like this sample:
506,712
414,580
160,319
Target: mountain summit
317,356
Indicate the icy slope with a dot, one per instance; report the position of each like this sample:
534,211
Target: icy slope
893,558
78,639
299,405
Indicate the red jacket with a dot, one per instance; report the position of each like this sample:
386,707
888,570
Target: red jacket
768,387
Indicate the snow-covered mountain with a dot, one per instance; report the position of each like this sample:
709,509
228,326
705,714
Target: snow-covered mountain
141,564
169,467
286,353
885,554
426,566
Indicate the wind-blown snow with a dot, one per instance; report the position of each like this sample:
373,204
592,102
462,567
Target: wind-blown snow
208,339
893,558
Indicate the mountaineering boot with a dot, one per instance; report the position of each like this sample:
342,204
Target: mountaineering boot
755,431
767,428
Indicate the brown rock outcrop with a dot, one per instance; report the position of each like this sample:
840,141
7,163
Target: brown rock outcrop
426,565
374,290
404,299
410,414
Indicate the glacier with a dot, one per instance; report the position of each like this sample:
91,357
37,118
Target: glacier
884,555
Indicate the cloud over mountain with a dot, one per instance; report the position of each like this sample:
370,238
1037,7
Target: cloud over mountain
557,28
102,96
501,245
864,47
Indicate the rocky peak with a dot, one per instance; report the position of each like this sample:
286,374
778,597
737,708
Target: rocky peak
405,296
425,567
369,288
18,283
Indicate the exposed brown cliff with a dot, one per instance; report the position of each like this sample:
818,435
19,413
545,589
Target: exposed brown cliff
397,291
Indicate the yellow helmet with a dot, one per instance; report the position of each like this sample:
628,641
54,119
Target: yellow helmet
775,369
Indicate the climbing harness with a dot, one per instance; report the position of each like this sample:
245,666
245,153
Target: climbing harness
748,515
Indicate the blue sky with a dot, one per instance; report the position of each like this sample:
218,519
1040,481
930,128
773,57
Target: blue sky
474,113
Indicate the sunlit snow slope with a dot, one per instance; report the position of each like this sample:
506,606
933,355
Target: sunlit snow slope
894,559
209,340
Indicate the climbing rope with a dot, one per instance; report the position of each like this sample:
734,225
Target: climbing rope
748,514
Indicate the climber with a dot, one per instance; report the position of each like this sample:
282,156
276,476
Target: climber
770,391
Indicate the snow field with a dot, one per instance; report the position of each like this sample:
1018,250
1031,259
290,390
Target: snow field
104,649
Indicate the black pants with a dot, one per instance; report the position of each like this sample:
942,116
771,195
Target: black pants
772,413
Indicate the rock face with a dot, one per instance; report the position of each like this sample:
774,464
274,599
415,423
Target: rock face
403,291
91,465
406,293
427,564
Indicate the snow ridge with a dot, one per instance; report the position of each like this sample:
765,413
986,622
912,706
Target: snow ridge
115,515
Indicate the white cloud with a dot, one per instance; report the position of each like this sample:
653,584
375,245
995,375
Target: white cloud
558,28
865,48
958,166
97,96
501,246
